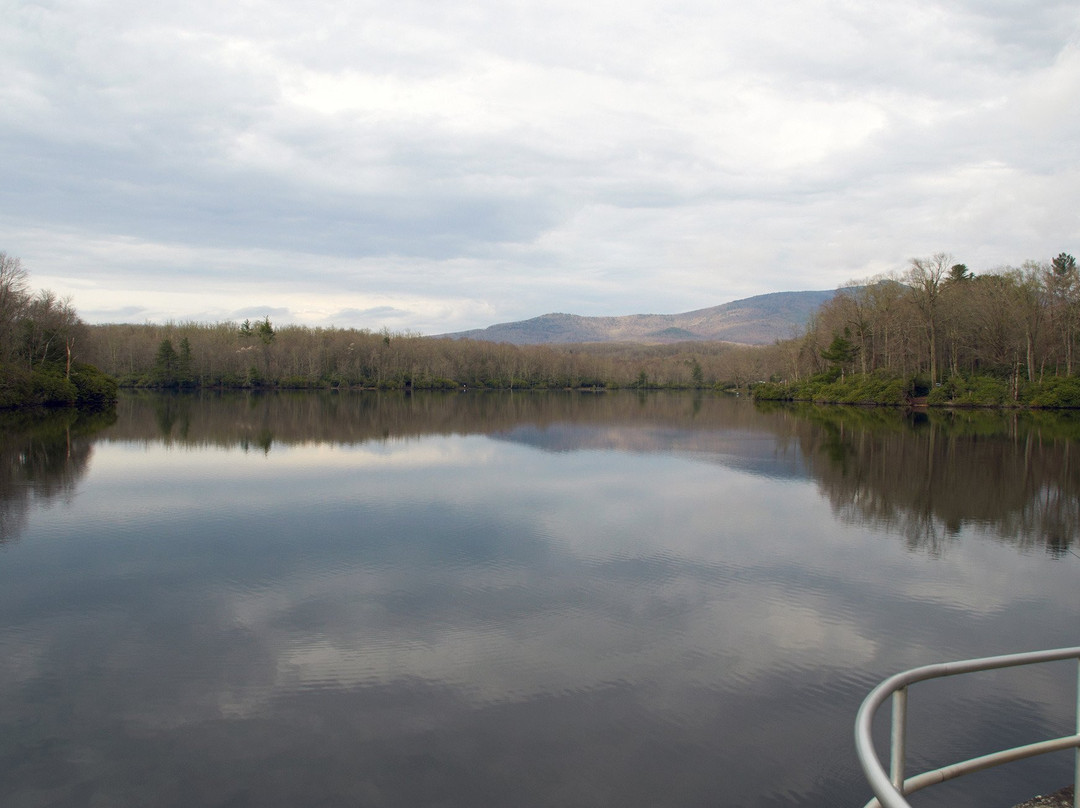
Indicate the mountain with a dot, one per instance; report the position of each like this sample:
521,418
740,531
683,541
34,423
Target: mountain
758,320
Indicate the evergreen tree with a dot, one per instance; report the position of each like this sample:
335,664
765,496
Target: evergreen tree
166,364
184,373
841,352
697,376
1064,264
265,331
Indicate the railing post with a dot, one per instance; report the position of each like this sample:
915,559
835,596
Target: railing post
892,789
899,739
1076,752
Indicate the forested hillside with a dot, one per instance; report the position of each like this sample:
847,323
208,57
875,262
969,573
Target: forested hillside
1010,335
936,330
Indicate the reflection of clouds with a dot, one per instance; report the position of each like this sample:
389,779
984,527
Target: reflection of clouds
457,598
599,574
984,581
118,459
24,655
684,633
692,556
160,481
750,451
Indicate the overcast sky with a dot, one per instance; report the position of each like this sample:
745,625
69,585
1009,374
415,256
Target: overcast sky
437,166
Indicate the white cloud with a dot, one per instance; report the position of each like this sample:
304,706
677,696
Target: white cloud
462,165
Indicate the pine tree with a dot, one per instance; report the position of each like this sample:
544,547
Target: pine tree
166,364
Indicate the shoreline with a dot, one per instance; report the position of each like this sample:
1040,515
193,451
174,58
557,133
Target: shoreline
1062,798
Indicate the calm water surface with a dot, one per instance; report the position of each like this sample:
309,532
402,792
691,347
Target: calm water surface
521,600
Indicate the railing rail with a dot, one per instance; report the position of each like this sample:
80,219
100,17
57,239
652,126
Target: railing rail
890,789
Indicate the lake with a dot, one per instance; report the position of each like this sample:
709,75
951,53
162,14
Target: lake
526,599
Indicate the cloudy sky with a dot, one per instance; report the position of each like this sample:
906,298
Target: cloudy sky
436,166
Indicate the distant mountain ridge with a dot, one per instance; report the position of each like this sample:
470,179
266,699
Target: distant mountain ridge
759,320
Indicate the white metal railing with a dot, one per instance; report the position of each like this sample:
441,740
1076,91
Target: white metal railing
890,789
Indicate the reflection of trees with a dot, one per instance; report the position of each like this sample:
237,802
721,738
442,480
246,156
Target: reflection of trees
41,457
256,421
930,475
926,475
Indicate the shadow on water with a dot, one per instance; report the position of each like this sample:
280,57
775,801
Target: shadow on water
43,455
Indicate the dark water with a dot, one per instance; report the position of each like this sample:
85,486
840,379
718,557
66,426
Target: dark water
522,600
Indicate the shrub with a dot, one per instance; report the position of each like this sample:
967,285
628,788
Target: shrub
50,388
15,386
94,390
970,391
298,383
1056,391
878,388
771,391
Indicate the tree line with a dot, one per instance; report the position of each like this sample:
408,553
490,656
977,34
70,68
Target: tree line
264,355
938,330
40,339
935,329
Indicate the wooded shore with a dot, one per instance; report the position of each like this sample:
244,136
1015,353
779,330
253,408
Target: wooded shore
1006,338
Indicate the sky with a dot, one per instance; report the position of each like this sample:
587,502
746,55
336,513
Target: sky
432,167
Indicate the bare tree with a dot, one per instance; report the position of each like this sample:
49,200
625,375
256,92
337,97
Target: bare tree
926,277
14,296
49,326
957,313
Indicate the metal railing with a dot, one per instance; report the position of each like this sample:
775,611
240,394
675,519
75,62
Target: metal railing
890,789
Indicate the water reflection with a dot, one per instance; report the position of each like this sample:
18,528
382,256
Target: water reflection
925,476
928,477
488,600
1010,476
42,457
